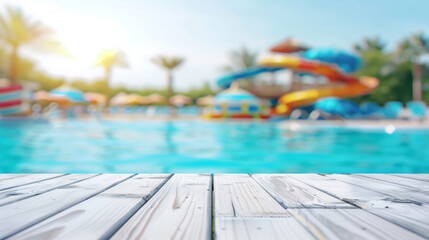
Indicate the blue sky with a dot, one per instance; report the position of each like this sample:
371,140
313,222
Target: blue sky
205,31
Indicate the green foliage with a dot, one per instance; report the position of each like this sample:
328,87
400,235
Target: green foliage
393,69
241,59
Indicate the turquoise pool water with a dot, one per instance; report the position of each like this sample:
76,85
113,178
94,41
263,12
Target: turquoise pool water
199,146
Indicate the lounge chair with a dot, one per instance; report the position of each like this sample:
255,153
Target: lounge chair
371,110
393,110
417,110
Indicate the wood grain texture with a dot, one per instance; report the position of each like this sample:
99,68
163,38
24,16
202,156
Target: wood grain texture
231,228
25,179
295,194
95,217
19,215
18,193
415,184
421,177
408,214
181,209
395,190
350,224
11,176
239,195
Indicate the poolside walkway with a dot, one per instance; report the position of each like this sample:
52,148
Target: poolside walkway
222,206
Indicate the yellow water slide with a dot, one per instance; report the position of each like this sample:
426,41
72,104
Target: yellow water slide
348,86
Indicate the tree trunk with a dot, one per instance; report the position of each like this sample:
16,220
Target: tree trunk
417,81
107,76
14,68
169,87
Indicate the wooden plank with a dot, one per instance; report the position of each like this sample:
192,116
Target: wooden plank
21,192
407,182
26,179
5,176
179,210
401,192
350,224
20,215
295,194
99,215
260,228
422,177
405,213
240,195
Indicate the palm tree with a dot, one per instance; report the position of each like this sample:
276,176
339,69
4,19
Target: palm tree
241,59
370,44
16,30
169,64
108,59
409,51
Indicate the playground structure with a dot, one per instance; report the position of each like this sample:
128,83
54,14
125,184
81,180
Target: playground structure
238,103
330,64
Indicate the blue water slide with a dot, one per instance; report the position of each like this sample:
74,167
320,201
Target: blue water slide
226,81
348,62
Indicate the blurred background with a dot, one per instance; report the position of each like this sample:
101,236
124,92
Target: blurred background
214,86
64,41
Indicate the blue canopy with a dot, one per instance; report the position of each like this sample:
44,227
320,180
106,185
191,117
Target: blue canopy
336,106
346,61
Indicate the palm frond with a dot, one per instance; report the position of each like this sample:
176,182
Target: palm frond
109,58
169,63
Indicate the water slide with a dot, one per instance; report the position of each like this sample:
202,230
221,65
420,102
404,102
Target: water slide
350,87
226,81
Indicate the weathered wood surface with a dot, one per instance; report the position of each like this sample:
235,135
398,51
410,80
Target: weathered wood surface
25,191
418,185
393,189
98,216
350,224
295,194
239,195
265,228
17,180
179,210
180,206
19,215
423,177
409,214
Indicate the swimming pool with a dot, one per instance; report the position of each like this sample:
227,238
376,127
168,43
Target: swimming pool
211,147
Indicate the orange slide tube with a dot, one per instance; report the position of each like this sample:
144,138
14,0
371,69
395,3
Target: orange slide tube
353,87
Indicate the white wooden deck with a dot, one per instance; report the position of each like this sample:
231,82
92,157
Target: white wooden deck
221,206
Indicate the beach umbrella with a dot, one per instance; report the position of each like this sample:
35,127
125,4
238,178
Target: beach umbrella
180,100
204,101
123,99
135,99
290,45
336,106
42,96
119,99
73,94
155,98
96,98
346,61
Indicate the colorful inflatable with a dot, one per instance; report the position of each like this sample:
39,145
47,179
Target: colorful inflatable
238,103
10,100
350,87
